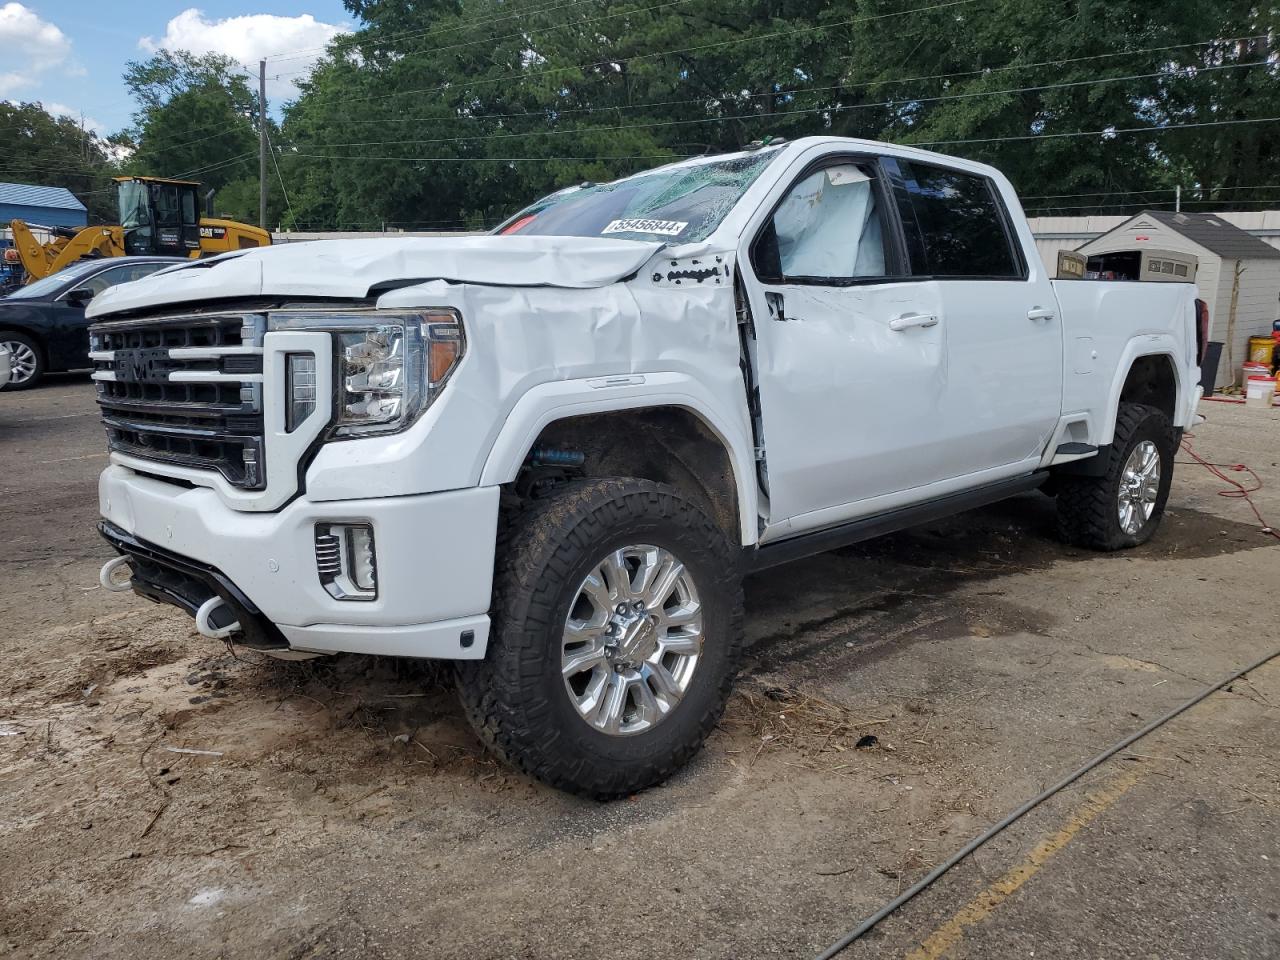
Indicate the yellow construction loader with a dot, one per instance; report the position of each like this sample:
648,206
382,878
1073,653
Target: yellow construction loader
157,217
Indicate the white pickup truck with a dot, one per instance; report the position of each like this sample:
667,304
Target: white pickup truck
551,454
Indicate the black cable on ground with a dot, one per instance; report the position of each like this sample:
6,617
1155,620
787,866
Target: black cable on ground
1027,807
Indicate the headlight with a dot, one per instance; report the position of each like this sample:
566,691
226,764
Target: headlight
390,366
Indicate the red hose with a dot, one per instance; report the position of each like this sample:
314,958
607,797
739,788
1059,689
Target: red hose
1238,490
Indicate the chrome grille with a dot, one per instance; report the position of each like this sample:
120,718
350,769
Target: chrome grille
328,554
184,390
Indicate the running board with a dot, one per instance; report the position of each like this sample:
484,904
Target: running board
1075,450
866,528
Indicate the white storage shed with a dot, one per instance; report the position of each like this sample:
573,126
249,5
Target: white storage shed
1238,277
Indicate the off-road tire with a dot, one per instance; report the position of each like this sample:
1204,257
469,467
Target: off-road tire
515,697
1087,506
41,365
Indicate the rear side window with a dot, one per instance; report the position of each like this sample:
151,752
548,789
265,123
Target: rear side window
124,274
960,226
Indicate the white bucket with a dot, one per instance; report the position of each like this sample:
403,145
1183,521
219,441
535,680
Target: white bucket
1249,370
1260,392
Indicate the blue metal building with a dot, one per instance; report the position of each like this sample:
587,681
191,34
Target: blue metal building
47,206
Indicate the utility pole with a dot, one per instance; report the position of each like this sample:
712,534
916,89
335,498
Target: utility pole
1177,200
262,144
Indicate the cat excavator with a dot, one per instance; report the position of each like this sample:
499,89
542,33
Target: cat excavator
158,217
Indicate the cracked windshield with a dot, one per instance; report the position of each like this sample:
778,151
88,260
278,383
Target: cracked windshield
683,202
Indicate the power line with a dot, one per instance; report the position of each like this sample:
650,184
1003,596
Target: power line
35,163
1107,132
1117,193
900,101
526,75
218,128
489,41
283,189
1270,200
653,156
301,51
986,71
868,83
150,143
208,168
1108,193
1038,209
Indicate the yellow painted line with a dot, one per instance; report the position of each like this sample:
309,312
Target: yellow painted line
984,904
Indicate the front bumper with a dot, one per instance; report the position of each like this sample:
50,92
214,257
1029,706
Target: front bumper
435,555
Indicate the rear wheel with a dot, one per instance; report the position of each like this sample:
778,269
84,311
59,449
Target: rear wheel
617,629
1122,508
26,360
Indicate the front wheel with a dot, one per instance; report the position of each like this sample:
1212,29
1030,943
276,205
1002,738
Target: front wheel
616,635
1122,508
26,361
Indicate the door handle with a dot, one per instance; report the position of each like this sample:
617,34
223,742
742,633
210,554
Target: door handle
908,320
1041,313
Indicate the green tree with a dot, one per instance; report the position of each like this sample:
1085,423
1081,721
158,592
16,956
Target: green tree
453,114
1233,79
196,118
40,148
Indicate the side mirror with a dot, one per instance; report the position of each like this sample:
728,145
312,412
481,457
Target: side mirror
80,296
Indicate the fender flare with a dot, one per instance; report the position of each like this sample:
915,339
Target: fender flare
548,402
1144,345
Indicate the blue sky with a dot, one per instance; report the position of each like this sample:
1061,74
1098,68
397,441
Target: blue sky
70,55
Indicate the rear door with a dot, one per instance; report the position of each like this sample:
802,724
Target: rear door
850,350
1003,392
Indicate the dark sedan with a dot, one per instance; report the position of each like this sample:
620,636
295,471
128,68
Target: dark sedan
42,325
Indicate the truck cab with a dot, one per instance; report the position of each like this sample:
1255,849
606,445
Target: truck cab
159,217
551,454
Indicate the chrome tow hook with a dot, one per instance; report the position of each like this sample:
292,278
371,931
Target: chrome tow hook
205,625
106,576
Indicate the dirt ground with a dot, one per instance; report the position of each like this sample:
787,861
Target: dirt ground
342,807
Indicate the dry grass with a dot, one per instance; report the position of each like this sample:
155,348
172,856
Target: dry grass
820,735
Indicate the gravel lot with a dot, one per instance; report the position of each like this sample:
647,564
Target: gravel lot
347,811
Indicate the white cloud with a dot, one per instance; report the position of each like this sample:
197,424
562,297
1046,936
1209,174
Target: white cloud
250,38
62,110
31,46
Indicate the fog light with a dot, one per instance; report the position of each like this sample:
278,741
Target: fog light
347,561
300,388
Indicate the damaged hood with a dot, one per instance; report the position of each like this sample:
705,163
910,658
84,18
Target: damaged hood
347,269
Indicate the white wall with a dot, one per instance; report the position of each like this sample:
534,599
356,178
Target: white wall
1067,233
1256,308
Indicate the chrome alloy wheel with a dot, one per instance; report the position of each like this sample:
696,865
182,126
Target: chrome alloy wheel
1139,487
22,361
632,640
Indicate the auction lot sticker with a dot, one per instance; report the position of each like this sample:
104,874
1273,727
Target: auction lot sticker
665,228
